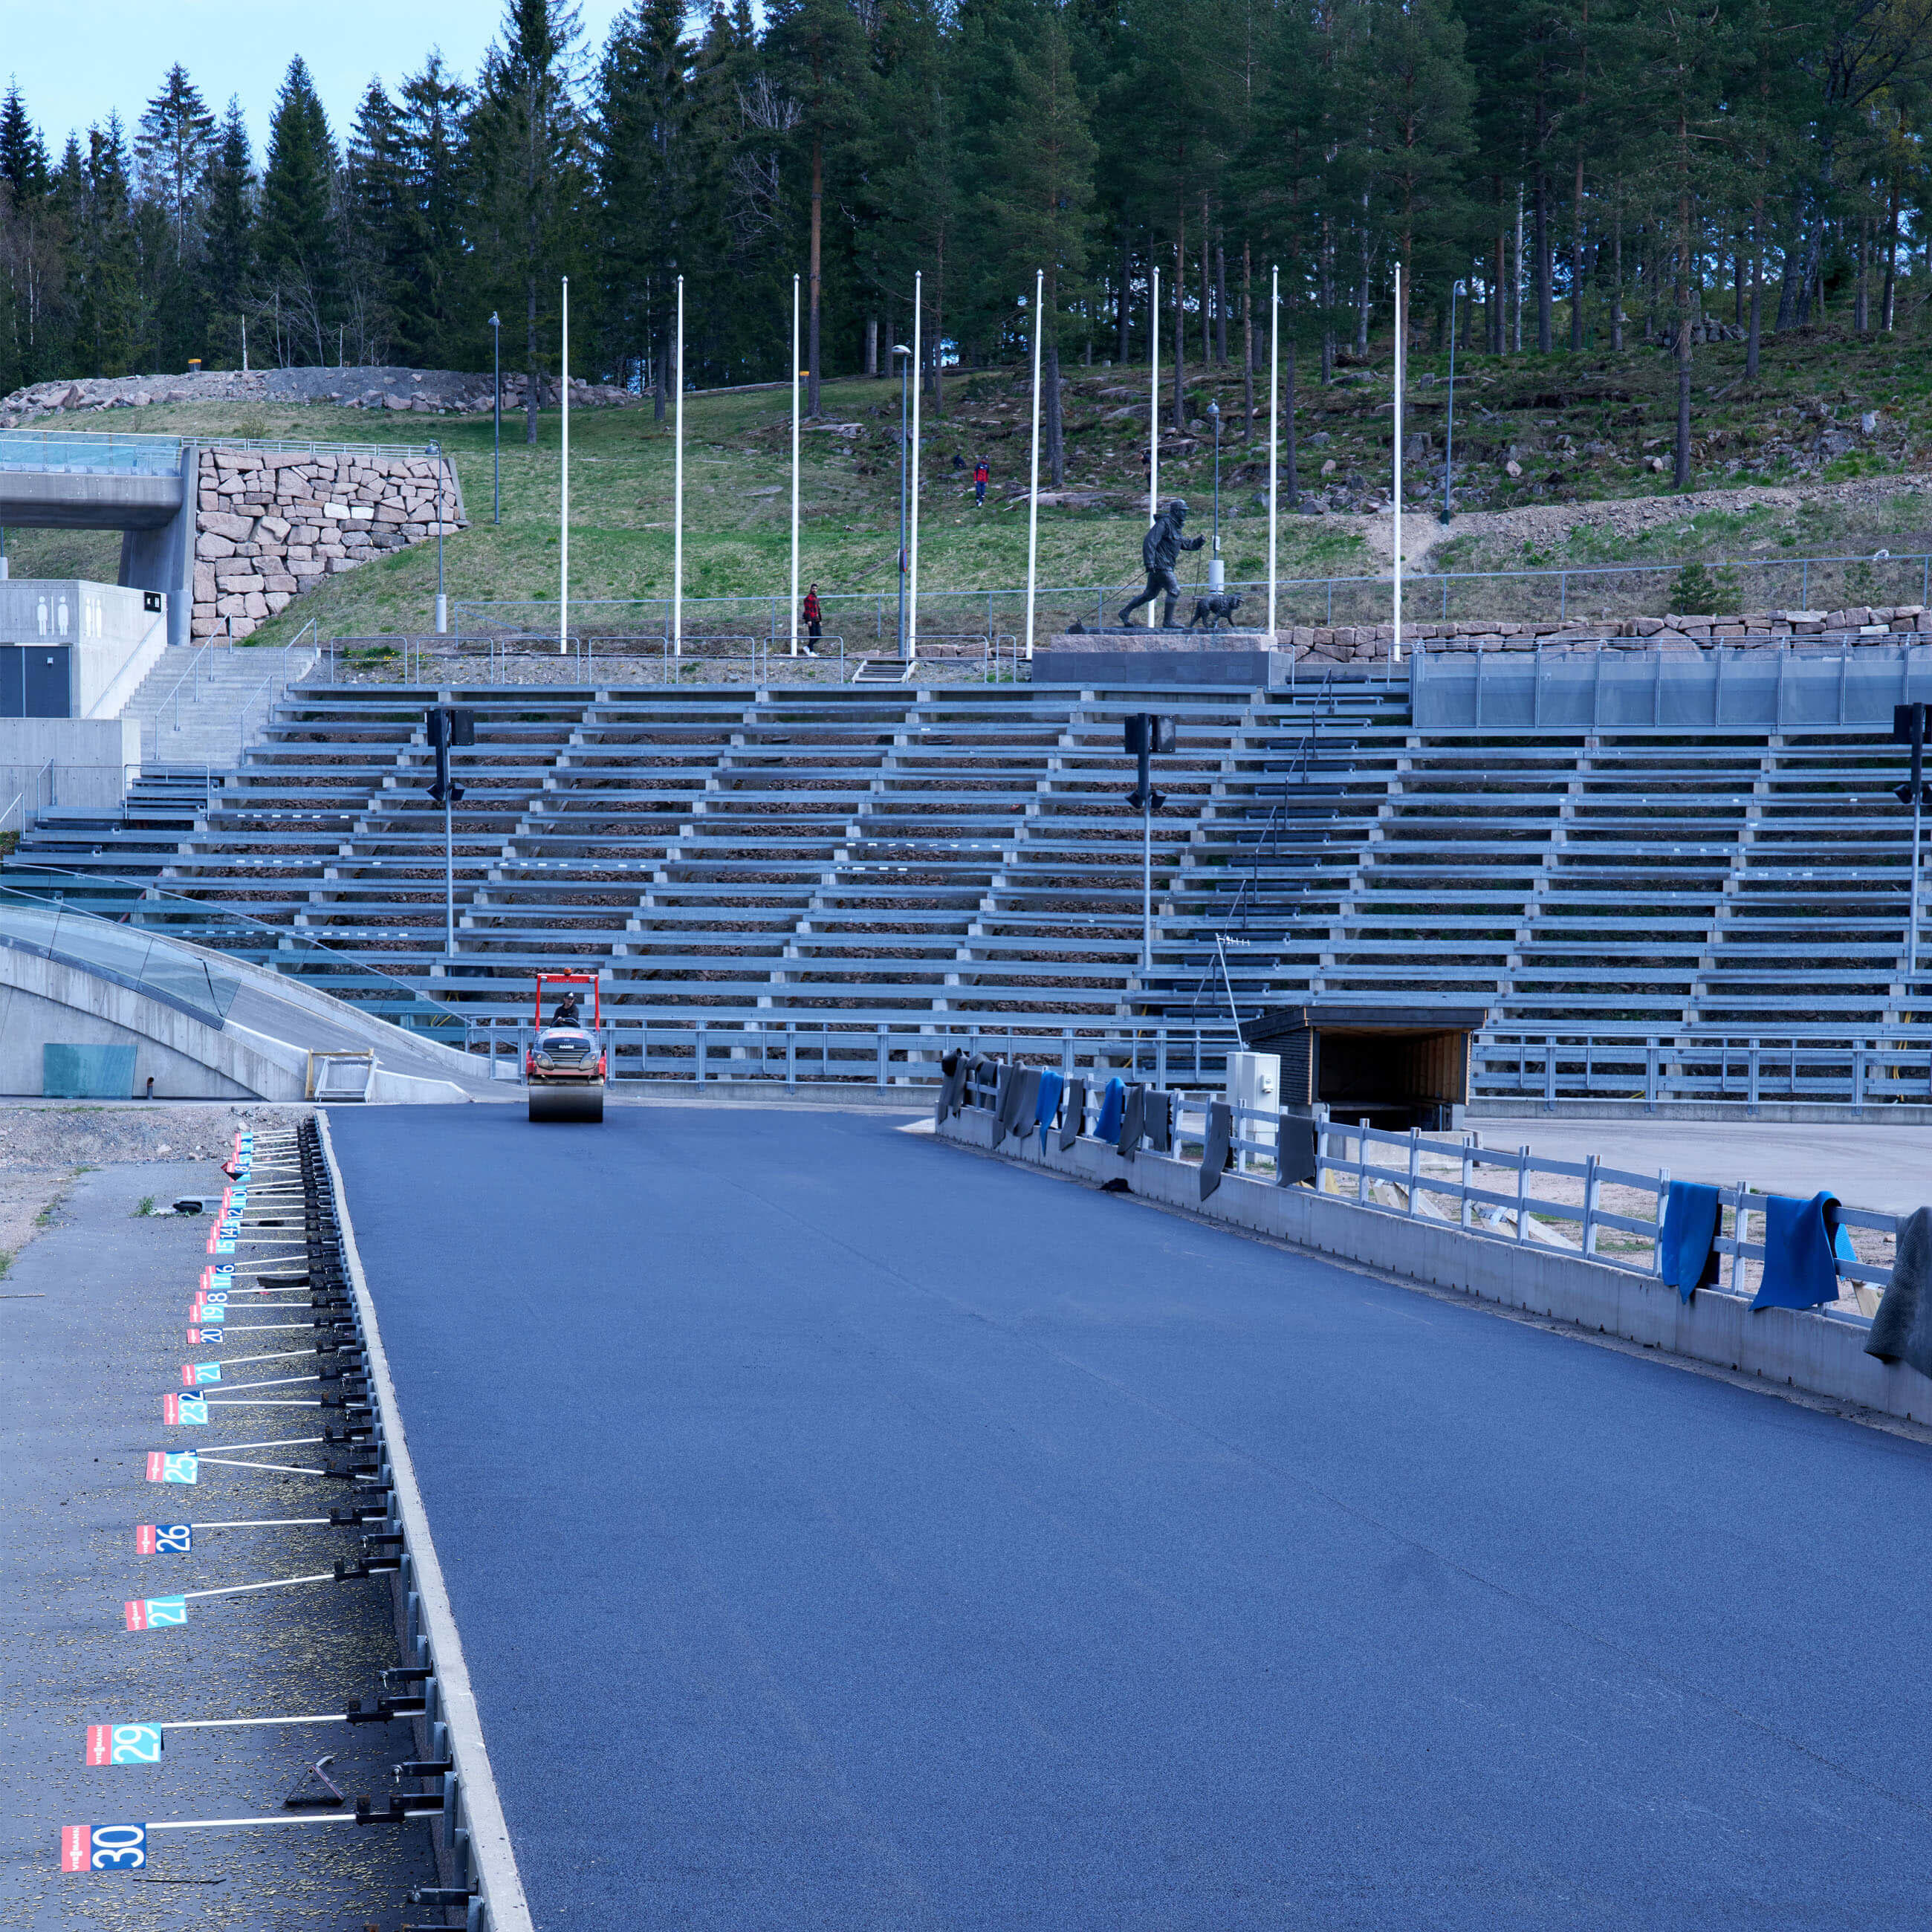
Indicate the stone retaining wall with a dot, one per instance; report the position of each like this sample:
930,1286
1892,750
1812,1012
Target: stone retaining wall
268,527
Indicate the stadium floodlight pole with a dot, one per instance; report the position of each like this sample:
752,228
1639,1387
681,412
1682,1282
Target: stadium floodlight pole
563,511
496,427
1032,496
1449,431
900,349
1274,437
1401,330
677,491
1154,406
441,601
794,466
912,493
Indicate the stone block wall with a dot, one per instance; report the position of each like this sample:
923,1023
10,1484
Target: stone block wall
270,525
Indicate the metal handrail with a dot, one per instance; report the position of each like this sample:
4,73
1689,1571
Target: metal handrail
146,890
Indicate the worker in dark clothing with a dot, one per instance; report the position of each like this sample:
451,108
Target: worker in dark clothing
566,1014
1159,549
814,621
981,476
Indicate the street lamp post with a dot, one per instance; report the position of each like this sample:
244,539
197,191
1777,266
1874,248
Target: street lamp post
1449,432
497,434
441,601
905,399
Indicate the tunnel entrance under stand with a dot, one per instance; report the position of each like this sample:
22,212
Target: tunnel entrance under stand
1394,1066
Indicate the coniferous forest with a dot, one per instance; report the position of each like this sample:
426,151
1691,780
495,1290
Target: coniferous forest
1589,172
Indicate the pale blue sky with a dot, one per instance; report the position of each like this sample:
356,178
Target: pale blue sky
75,59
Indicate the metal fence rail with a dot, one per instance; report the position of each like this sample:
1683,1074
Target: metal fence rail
1466,1196
1562,595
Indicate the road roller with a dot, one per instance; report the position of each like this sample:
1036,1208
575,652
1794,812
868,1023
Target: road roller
565,1069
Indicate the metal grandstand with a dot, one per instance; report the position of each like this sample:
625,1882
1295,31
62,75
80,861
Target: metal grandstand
845,880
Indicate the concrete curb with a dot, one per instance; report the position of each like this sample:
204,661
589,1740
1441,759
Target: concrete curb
1822,1354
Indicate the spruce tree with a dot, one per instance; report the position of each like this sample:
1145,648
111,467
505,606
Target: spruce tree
108,320
176,132
229,230
438,322
297,242
530,174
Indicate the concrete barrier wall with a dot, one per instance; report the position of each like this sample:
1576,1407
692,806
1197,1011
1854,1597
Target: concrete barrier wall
1822,1354
91,756
42,1000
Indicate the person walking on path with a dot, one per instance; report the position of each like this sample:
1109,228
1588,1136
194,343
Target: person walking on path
814,620
981,476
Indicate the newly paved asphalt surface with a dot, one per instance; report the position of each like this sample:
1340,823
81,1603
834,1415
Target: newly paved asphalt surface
848,1532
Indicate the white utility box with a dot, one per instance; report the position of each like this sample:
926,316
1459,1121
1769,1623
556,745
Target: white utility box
1254,1081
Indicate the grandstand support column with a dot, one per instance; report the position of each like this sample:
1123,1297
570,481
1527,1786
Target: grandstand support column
1033,492
912,506
1401,349
1274,438
794,465
1911,910
677,494
1153,406
563,506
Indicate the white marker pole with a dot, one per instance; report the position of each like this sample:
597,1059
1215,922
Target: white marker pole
1153,406
1274,438
238,1723
1401,330
677,493
1033,501
563,511
794,466
912,558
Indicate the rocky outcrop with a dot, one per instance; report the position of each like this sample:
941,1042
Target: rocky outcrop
394,391
270,525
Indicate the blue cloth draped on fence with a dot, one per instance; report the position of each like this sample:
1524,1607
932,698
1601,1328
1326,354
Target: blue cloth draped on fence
1050,1083
1108,1127
1689,1237
1801,1252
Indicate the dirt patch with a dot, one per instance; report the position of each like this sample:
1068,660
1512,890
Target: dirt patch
61,1139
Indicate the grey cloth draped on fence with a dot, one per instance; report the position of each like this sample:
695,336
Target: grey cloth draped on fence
1023,1113
1901,1330
1133,1117
1220,1147
1295,1150
1073,1113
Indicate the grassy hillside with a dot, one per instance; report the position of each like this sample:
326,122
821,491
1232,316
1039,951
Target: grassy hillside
1579,431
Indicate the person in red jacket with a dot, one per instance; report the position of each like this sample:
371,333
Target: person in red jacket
981,476
814,621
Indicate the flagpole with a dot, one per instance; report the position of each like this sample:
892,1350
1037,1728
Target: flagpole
794,466
1274,437
1401,330
677,494
1032,500
563,513
1154,407
912,562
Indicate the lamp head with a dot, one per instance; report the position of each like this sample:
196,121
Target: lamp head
496,321
1214,412
900,349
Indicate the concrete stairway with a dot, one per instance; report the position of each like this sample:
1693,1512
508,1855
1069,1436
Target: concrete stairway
197,705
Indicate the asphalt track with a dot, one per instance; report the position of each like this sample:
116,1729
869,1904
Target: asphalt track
848,1532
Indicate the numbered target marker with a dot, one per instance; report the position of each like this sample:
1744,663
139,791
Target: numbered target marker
208,1315
154,1613
199,1375
216,1280
185,1409
103,1847
165,1467
164,1539
123,1743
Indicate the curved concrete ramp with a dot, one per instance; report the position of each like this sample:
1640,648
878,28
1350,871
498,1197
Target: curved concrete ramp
202,1025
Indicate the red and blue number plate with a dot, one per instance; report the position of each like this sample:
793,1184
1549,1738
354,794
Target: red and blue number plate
123,1743
164,1539
103,1847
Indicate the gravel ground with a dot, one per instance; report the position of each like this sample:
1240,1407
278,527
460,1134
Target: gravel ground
92,1337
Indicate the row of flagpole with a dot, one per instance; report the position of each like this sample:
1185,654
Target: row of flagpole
909,563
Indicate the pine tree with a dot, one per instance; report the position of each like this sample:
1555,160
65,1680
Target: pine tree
819,50
296,241
176,132
32,240
1034,207
108,318
428,259
530,171
374,209
229,229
